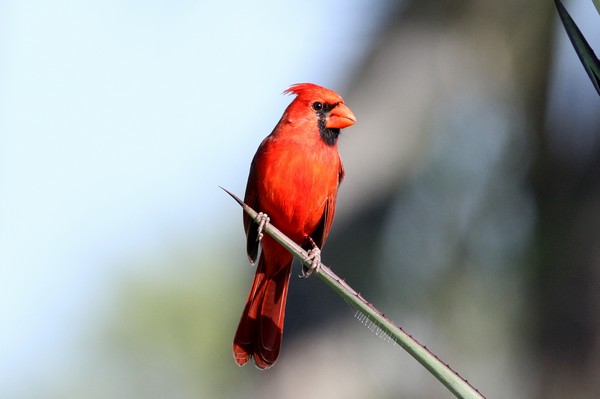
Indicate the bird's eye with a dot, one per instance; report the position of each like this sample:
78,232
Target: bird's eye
317,106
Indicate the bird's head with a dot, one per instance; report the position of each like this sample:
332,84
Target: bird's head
324,107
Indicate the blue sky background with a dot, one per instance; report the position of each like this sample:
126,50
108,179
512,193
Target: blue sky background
118,121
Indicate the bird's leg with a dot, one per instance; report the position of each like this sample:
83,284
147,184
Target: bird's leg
314,255
262,219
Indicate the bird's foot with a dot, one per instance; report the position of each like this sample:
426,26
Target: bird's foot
262,219
314,256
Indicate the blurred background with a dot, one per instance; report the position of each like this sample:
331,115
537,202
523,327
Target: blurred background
470,212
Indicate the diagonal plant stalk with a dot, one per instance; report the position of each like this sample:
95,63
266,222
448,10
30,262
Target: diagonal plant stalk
460,387
582,48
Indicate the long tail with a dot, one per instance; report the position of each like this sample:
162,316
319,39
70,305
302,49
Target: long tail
261,326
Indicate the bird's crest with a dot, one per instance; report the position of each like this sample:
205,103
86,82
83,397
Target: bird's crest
314,91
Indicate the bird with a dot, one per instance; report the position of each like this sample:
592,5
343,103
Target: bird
293,182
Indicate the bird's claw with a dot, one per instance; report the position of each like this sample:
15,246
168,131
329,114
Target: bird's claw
314,256
262,219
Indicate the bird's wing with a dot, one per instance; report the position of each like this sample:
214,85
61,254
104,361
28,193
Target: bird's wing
321,232
251,229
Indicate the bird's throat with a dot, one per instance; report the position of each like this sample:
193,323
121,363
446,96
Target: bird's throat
328,135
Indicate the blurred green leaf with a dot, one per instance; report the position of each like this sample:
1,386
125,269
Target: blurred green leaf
584,51
597,4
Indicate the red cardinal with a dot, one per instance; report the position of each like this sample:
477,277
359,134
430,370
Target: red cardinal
294,179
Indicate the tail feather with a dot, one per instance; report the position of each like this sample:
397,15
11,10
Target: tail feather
261,325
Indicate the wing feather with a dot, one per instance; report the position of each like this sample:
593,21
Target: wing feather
250,228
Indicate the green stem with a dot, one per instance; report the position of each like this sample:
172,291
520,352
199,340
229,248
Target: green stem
440,370
586,55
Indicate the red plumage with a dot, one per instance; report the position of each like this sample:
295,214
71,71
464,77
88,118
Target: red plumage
294,178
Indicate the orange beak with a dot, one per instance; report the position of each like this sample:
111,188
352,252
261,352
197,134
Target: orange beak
340,117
